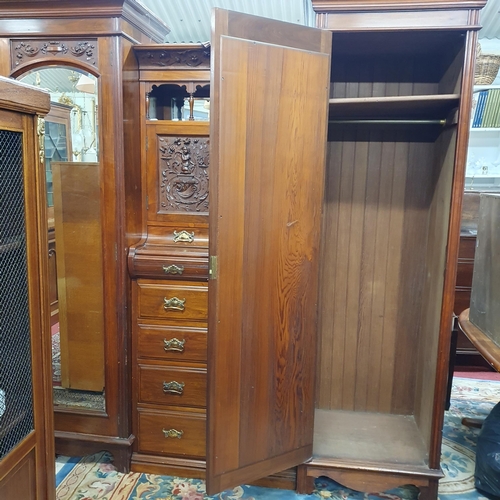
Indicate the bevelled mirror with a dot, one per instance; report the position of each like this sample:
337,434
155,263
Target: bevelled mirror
73,175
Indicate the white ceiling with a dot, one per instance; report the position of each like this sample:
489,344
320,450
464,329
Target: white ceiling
189,20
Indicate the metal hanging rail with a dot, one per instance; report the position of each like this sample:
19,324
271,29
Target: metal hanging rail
390,122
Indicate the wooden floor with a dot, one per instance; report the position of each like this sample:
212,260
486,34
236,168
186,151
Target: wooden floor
376,437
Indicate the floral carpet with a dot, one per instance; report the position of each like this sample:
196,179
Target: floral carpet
94,477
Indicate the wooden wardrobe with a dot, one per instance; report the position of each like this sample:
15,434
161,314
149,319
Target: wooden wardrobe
94,37
26,418
319,209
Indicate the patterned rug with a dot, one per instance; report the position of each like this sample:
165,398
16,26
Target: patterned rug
95,477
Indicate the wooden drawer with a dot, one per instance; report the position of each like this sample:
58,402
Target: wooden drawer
173,385
189,426
462,300
174,343
144,264
464,274
467,247
175,300
179,236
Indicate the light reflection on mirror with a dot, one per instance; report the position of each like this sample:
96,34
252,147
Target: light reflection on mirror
73,185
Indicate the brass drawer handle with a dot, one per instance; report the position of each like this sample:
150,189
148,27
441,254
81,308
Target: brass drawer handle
173,269
172,433
183,237
174,303
173,387
174,344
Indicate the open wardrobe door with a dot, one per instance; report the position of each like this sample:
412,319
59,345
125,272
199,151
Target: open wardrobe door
270,84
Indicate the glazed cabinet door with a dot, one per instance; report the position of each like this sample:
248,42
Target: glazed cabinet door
268,132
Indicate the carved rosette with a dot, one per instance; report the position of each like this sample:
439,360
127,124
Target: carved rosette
192,58
183,165
28,50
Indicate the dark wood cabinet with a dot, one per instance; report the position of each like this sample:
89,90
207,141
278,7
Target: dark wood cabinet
356,307
287,204
26,419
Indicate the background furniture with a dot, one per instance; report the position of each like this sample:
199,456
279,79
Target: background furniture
57,148
95,38
484,344
400,88
78,223
26,419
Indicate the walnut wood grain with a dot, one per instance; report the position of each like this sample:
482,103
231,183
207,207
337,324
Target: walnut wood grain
153,377
151,437
23,95
152,297
152,341
78,229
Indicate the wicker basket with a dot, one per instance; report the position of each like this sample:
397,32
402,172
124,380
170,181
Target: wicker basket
487,66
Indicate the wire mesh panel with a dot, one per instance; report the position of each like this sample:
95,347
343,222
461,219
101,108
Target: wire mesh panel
16,394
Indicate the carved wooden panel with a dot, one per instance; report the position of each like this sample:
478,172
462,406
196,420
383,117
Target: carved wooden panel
23,51
183,171
191,58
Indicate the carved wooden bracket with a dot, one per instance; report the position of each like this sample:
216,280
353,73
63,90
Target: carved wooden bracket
25,50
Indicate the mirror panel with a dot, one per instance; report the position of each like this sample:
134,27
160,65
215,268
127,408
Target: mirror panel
74,204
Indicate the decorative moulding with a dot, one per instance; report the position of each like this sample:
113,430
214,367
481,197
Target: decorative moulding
23,51
378,5
188,57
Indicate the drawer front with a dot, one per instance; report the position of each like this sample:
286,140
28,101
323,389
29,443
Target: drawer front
172,433
467,247
464,274
179,236
173,385
462,300
172,343
169,267
172,301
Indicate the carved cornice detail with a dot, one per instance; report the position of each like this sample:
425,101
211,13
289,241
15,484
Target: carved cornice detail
27,50
183,170
190,58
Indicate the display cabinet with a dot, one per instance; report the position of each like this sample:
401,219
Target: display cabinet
355,308
26,419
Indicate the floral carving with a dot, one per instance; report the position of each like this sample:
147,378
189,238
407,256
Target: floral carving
83,49
184,163
34,49
191,58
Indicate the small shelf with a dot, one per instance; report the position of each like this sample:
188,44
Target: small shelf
484,129
478,88
414,107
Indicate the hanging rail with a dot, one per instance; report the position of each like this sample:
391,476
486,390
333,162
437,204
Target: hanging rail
390,122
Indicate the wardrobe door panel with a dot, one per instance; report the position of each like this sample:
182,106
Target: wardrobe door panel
268,134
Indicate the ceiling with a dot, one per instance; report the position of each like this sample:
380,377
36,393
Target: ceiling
189,20
490,20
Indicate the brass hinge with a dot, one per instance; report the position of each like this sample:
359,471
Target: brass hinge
212,269
40,132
